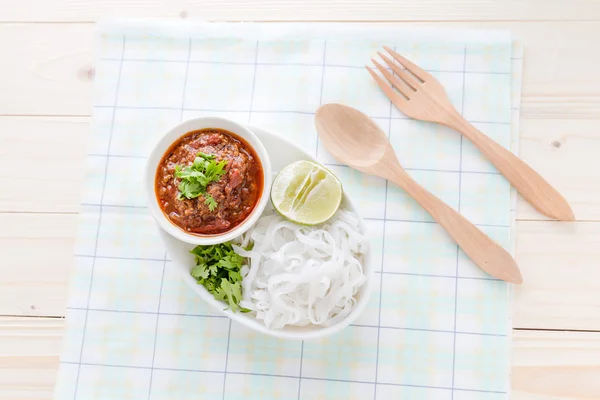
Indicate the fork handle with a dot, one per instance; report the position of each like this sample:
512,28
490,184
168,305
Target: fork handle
528,183
485,253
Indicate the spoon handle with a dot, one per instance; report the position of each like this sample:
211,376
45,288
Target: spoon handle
485,253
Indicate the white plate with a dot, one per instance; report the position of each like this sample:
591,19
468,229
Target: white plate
281,152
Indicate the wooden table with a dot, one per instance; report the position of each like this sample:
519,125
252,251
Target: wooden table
46,74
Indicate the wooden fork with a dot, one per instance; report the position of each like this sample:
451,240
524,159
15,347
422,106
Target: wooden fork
421,96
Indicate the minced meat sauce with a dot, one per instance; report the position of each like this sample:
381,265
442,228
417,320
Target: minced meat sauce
237,192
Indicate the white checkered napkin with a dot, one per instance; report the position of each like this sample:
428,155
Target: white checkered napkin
435,327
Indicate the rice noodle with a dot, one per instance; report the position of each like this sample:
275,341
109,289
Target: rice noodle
299,275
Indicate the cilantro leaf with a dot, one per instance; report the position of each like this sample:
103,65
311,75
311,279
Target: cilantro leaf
210,202
218,270
235,276
189,189
214,171
231,293
230,261
196,177
205,157
200,271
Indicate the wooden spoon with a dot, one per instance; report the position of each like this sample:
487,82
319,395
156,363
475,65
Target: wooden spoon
354,139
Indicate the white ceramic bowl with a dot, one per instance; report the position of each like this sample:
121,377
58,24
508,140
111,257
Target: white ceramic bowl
282,152
171,137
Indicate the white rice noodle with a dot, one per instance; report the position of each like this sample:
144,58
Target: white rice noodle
299,275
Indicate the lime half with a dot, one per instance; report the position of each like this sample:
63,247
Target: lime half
306,193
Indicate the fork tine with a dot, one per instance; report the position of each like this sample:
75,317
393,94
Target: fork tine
417,71
405,76
398,100
398,84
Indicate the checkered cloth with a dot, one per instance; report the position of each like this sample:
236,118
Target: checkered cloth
436,326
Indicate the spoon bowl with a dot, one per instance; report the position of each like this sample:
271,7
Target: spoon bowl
354,139
363,144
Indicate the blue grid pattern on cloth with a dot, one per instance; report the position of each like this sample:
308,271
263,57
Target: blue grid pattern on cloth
436,327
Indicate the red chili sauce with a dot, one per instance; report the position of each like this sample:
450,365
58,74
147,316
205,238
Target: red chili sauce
236,192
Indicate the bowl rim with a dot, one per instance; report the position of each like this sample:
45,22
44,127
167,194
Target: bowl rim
176,133
257,325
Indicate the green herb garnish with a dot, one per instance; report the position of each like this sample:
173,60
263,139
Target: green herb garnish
196,177
218,270
210,202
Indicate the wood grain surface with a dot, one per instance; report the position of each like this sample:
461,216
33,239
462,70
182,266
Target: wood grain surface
305,10
546,365
56,143
46,76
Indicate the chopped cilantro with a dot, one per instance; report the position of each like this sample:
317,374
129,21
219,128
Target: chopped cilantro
210,202
218,270
195,178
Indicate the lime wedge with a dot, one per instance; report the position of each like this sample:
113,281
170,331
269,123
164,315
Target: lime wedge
306,193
